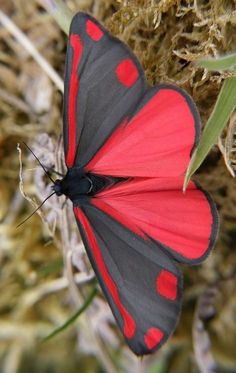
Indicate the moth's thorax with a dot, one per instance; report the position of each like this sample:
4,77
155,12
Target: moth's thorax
78,185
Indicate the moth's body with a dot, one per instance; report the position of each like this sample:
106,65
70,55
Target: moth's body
79,185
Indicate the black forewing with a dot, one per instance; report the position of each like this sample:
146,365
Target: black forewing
101,101
134,267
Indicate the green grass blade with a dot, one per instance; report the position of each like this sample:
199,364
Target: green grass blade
73,317
225,104
220,63
61,13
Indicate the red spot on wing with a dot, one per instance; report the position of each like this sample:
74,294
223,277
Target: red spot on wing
93,30
166,285
129,326
127,72
153,337
76,45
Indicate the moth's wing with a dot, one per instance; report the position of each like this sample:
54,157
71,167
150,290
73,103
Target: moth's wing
154,147
143,286
156,141
103,82
185,224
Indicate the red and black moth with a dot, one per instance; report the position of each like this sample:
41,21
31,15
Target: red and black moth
127,148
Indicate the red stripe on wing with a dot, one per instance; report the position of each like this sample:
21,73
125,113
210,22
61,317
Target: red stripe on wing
129,326
76,44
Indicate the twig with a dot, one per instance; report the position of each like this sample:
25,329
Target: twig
14,101
201,341
13,358
28,45
21,184
33,296
60,12
227,146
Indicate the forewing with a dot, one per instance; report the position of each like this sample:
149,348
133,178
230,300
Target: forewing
103,83
185,224
156,141
142,286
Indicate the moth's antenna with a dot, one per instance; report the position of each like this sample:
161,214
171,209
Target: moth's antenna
28,217
35,156
55,172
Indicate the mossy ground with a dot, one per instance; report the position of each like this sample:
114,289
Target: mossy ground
168,36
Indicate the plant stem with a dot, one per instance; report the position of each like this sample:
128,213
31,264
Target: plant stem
60,12
28,45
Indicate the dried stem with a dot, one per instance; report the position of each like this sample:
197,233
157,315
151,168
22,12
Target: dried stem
28,45
33,296
60,12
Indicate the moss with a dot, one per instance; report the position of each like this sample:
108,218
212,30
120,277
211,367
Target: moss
168,36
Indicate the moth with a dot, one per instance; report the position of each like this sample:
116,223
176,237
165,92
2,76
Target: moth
127,147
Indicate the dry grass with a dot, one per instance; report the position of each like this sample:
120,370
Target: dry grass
38,292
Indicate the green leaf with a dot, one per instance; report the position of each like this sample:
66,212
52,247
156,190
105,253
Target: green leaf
52,267
159,366
221,63
225,104
73,317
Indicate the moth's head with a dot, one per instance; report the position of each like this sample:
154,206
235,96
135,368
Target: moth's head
73,185
56,187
